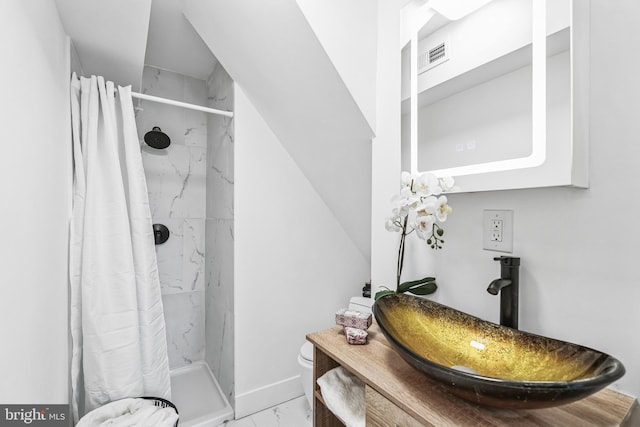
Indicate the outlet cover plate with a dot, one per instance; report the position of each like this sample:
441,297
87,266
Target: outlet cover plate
497,230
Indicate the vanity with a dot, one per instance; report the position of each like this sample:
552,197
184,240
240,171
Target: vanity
399,395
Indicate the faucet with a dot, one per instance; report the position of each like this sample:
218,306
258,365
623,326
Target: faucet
508,286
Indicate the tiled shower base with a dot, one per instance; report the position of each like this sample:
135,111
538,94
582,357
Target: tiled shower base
197,395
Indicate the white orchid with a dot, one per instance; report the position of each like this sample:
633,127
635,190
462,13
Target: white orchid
393,224
427,184
424,226
406,179
448,184
443,209
428,206
419,207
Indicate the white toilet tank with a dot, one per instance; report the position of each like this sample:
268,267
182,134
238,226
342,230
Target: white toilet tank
305,356
361,304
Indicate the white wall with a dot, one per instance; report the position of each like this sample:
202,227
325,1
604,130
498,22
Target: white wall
295,266
219,290
35,184
346,31
386,145
579,248
110,37
297,89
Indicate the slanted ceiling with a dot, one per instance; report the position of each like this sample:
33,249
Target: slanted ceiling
117,38
110,37
270,49
174,45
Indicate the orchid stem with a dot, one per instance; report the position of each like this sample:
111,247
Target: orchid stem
401,252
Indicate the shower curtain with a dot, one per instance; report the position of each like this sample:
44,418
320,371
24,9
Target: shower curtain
118,336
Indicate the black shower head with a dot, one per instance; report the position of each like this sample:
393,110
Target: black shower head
157,139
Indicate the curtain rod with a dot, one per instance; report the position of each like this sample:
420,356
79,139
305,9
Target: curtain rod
180,104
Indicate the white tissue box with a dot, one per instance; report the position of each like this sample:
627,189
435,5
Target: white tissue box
353,319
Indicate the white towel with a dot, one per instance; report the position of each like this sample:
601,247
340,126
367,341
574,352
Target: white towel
343,393
129,413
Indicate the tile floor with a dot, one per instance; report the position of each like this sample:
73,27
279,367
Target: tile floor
294,413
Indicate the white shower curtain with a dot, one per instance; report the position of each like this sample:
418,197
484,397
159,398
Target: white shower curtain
118,336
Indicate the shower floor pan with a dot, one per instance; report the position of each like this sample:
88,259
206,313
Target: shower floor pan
197,395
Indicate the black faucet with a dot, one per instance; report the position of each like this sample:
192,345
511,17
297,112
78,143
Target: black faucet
508,286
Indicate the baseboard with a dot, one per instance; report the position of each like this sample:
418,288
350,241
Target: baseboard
256,400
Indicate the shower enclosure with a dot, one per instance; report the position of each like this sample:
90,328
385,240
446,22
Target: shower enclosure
190,186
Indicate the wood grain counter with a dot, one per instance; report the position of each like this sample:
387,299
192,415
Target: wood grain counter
409,398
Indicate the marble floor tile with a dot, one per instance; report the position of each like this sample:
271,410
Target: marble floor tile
294,413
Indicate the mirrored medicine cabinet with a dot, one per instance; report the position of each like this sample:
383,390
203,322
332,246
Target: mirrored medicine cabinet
495,93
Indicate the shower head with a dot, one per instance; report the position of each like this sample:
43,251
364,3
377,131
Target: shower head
157,139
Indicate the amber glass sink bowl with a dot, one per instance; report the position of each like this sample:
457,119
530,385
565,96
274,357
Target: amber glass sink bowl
491,364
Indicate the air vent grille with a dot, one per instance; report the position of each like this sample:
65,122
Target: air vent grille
433,56
437,53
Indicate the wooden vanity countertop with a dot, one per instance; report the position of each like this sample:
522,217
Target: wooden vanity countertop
380,367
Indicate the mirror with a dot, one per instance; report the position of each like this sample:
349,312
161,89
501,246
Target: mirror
488,92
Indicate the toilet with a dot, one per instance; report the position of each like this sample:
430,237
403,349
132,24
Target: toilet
305,357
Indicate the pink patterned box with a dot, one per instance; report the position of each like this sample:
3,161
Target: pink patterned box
355,335
353,319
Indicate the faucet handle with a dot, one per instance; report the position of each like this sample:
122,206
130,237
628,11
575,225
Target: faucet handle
508,261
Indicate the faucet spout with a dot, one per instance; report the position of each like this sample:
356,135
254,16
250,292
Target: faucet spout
508,287
496,286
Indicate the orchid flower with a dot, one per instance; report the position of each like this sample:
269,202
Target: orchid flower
419,207
443,209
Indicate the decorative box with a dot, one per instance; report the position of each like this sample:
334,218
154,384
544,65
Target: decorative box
353,319
355,335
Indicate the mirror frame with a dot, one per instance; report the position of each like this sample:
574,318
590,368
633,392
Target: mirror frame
545,166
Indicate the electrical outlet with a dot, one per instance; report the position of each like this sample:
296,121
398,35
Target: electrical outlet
497,230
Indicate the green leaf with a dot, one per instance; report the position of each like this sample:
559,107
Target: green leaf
406,286
425,289
380,294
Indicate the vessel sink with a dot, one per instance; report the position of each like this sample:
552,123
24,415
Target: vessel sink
489,364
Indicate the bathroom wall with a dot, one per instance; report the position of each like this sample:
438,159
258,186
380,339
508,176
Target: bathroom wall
219,240
298,90
386,153
176,182
35,183
295,265
578,247
346,31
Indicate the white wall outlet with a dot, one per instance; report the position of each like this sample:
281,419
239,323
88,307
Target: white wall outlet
497,230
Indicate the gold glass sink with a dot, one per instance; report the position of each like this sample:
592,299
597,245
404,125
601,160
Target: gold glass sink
491,364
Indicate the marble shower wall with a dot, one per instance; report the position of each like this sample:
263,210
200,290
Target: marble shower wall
219,240
176,183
